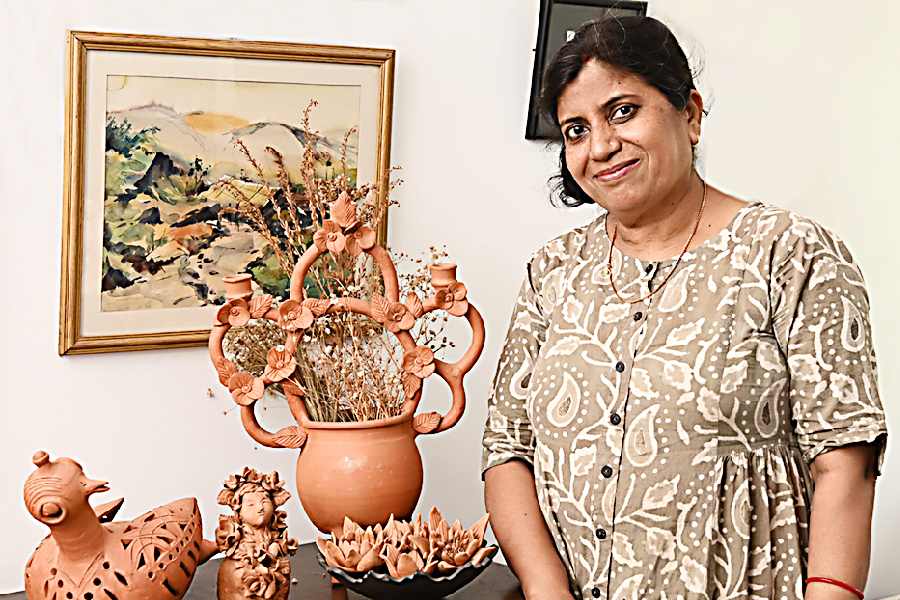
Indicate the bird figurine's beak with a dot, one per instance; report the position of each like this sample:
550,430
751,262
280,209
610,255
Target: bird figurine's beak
92,486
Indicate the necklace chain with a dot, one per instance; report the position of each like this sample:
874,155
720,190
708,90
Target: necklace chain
649,295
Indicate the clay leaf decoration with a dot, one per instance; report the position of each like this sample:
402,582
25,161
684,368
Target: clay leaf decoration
235,313
293,316
330,237
414,305
343,212
426,422
291,388
290,437
245,388
260,305
225,368
418,364
393,315
317,306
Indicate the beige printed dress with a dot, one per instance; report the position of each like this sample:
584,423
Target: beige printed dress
671,439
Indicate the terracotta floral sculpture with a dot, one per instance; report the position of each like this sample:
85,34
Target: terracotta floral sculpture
88,557
433,547
257,562
366,470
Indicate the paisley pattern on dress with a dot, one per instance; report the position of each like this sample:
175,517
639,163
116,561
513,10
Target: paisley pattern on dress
671,439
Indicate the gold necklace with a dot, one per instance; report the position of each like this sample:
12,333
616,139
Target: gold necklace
612,245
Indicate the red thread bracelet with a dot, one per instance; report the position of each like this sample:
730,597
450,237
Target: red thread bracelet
838,583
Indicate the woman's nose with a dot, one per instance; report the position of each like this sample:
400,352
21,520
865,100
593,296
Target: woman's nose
604,143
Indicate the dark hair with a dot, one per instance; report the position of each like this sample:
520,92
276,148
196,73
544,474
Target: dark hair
639,45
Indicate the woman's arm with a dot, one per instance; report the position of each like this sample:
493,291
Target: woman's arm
841,520
511,500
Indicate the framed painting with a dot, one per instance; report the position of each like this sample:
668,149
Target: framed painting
557,22
153,126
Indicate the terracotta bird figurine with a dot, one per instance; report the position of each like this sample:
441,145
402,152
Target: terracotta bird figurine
89,557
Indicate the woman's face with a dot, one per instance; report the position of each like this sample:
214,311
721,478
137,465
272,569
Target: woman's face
626,146
257,509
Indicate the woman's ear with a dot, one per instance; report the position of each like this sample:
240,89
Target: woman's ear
694,113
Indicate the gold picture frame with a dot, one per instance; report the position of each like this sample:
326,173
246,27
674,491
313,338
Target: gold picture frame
93,60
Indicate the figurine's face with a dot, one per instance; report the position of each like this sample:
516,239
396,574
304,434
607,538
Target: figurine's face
257,509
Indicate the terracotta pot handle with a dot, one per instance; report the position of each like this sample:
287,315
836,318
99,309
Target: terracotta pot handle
453,374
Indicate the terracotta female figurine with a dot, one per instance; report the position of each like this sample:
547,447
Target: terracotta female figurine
257,549
85,557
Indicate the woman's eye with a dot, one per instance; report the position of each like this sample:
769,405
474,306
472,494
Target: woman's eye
623,112
573,132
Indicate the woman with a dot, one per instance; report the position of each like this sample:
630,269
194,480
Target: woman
680,374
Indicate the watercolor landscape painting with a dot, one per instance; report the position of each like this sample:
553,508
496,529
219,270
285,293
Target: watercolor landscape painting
169,237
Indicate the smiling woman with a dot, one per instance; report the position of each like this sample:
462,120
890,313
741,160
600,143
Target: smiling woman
680,374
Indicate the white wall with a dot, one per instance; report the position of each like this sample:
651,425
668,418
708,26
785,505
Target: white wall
802,115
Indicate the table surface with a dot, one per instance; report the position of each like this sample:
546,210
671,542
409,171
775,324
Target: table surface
496,582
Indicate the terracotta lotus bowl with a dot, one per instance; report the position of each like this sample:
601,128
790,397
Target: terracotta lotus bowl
418,586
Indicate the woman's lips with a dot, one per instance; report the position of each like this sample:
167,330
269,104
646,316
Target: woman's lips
620,172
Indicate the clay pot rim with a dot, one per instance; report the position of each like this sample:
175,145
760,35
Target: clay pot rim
353,425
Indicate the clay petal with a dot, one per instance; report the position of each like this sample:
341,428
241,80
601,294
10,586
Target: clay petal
479,528
352,246
406,566
435,519
459,308
407,321
333,555
429,567
338,244
319,239
460,558
420,544
483,554
424,354
370,560
353,557
425,371
458,290
472,547
366,237
349,528
258,388
223,313
445,567
306,318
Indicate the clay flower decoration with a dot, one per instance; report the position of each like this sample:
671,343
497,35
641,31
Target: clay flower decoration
255,535
418,364
293,315
453,299
393,315
343,230
235,313
245,388
330,237
405,548
280,364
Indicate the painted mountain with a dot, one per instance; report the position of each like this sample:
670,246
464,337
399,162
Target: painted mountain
167,242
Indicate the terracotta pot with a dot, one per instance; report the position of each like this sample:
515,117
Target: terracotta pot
230,587
366,471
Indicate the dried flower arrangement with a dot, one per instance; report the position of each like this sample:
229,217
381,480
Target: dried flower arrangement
404,548
254,538
348,369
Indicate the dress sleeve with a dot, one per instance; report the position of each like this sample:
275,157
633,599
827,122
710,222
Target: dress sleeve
507,432
821,323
